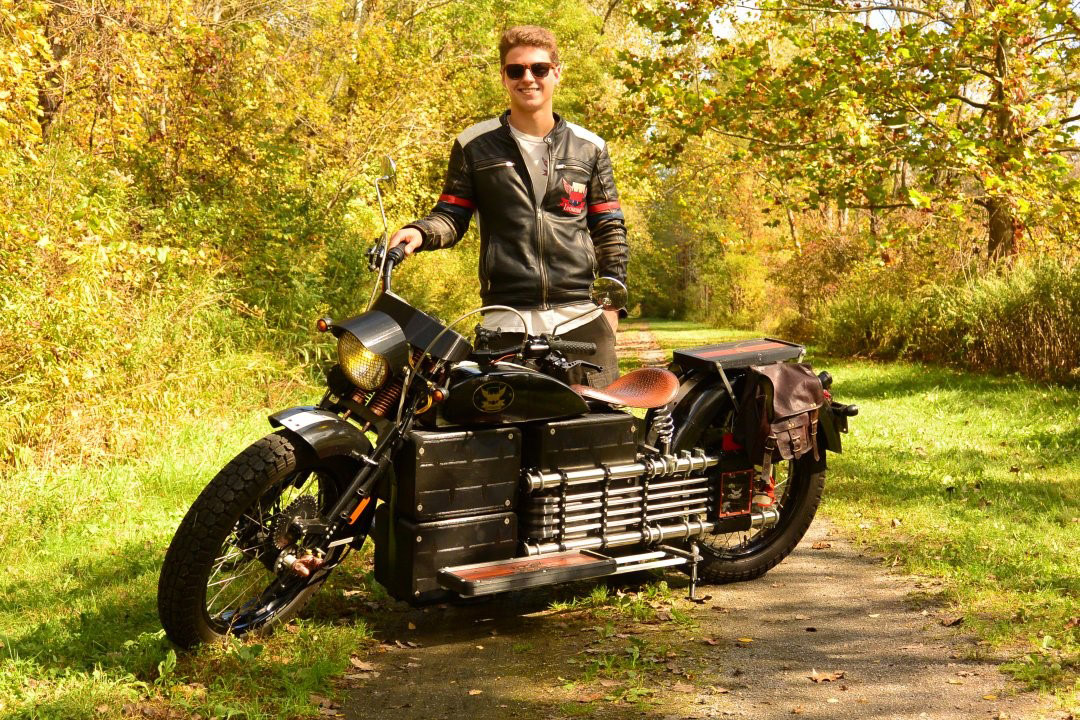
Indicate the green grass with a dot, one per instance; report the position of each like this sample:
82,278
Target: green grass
79,634
983,475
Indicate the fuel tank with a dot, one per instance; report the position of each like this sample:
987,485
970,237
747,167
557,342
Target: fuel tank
507,393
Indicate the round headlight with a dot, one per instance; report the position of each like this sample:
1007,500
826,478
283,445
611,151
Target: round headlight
366,369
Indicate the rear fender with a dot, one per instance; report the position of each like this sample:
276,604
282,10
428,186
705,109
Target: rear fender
709,399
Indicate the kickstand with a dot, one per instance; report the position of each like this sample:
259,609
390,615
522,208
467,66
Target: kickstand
693,557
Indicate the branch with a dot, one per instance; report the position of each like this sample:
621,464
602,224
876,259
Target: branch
898,8
888,206
610,9
1056,123
969,101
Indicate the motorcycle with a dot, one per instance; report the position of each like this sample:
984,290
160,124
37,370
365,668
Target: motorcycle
474,471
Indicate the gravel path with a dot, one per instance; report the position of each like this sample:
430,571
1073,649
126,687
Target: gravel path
641,344
750,650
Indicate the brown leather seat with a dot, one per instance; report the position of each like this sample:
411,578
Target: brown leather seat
642,388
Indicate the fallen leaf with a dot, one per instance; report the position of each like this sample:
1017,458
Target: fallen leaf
292,629
321,701
746,640
476,692
360,664
683,687
412,664
412,626
797,710
954,681
821,545
820,678
608,683
952,621
989,697
802,617
585,697
721,691
1069,625
711,641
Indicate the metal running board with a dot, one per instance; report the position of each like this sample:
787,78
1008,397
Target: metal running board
526,572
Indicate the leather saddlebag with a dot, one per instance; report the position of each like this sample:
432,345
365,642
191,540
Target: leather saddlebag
778,413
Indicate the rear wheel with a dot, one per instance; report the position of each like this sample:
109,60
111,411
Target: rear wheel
221,573
737,556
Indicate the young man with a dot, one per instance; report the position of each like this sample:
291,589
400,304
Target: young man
547,208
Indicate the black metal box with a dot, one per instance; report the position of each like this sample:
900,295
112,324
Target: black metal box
738,354
409,555
444,474
586,441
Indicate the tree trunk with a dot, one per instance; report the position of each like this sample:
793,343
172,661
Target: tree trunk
1002,227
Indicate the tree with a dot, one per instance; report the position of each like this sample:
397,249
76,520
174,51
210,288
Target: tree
881,104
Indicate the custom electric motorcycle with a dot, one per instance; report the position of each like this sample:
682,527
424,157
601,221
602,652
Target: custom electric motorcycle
474,471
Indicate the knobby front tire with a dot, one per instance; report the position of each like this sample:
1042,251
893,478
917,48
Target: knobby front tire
218,576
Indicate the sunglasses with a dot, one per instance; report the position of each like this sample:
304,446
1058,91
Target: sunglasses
516,71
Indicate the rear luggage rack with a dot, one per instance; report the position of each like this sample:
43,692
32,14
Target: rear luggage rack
526,572
739,354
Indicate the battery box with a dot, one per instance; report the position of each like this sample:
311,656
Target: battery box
409,554
446,474
586,441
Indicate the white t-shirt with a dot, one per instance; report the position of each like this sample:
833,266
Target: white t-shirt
535,152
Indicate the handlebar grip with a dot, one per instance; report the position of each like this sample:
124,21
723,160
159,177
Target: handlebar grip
574,347
395,256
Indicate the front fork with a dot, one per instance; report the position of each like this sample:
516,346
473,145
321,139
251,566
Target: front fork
327,434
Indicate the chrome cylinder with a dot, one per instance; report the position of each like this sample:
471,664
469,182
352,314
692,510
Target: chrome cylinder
660,466
648,535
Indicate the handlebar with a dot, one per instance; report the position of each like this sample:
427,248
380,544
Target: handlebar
572,346
536,348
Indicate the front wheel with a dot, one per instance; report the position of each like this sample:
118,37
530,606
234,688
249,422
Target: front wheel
221,573
738,556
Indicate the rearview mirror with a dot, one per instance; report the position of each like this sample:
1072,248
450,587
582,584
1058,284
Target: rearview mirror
608,293
389,172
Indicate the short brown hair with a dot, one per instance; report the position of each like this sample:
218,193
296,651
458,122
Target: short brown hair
529,36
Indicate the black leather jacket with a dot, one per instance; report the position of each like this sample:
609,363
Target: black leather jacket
532,256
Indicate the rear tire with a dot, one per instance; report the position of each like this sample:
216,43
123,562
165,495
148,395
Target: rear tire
735,557
217,578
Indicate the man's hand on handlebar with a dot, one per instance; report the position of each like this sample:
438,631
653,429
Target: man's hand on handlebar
409,239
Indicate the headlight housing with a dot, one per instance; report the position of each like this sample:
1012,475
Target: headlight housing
371,348
366,369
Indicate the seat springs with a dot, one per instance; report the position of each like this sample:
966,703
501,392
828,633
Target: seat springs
664,427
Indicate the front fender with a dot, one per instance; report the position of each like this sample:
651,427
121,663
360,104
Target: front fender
326,433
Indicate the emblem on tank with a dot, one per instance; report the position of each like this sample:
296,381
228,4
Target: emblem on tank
493,397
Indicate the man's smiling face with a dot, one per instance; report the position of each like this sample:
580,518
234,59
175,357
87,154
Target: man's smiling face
529,94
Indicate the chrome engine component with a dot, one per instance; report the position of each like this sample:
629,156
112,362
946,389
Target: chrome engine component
658,498
649,467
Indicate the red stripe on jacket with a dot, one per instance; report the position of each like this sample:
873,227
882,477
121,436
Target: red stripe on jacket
604,207
454,200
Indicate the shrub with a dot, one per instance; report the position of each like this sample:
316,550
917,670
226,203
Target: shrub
1022,318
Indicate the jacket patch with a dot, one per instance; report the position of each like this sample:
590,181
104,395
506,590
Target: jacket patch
574,202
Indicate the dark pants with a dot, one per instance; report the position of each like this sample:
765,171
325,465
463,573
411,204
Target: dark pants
596,331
